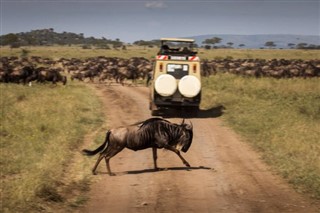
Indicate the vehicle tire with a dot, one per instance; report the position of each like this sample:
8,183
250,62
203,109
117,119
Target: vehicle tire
165,85
189,86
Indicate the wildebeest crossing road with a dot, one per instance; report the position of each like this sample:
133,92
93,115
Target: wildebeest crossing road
226,175
155,133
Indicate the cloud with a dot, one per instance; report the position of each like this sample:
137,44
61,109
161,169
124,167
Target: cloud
155,4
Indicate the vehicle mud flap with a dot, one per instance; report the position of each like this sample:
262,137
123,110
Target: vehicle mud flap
155,112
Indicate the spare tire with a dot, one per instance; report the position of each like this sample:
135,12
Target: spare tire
165,85
189,86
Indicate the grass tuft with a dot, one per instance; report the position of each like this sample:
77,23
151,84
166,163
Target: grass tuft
49,193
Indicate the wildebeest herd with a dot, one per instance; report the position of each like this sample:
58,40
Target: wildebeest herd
276,68
23,70
26,70
112,69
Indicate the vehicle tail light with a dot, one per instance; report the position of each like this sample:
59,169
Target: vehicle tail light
194,68
161,67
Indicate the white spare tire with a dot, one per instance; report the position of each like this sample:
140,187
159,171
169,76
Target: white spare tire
165,85
189,86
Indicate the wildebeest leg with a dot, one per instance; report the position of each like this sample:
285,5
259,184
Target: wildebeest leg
178,153
122,81
154,152
54,80
97,163
109,154
108,167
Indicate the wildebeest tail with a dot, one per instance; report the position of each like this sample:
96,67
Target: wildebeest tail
99,149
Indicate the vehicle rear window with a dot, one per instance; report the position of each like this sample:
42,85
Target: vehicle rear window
178,70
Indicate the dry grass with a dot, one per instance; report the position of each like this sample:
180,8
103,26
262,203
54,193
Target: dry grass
280,117
56,52
41,128
259,53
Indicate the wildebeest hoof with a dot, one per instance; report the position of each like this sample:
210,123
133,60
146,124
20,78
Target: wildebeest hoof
112,174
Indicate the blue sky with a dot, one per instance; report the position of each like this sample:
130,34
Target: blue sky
135,20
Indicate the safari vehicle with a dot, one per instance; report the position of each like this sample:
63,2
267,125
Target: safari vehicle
176,80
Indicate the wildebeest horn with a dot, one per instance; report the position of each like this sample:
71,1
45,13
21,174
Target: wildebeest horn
182,121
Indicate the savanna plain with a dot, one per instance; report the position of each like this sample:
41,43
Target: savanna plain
43,125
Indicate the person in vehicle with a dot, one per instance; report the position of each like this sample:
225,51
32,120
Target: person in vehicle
165,49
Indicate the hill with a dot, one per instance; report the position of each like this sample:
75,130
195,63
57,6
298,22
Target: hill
47,37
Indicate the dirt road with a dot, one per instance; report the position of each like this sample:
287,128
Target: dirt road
226,174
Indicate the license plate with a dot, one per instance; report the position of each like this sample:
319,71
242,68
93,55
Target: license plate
177,57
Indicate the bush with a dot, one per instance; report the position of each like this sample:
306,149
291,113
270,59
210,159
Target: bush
85,46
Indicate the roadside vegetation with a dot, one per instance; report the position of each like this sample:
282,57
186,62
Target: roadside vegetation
279,117
258,53
56,52
42,127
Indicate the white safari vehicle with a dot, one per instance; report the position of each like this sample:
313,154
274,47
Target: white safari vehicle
176,80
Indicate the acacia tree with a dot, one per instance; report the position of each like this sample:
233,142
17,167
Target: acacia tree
270,44
117,43
230,44
212,41
301,45
151,43
291,45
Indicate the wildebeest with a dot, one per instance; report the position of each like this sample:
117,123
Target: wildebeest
155,133
53,75
20,74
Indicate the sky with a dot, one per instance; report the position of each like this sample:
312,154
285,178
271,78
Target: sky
135,20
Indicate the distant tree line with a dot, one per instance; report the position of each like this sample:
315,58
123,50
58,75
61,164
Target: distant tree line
47,37
212,43
271,44
144,43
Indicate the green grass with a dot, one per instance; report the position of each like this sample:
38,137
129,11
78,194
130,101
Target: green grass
56,52
41,127
279,117
259,53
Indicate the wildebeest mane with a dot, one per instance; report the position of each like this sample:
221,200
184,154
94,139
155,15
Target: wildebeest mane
163,128
149,121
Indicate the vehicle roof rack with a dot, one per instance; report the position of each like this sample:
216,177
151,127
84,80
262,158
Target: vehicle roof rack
177,39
